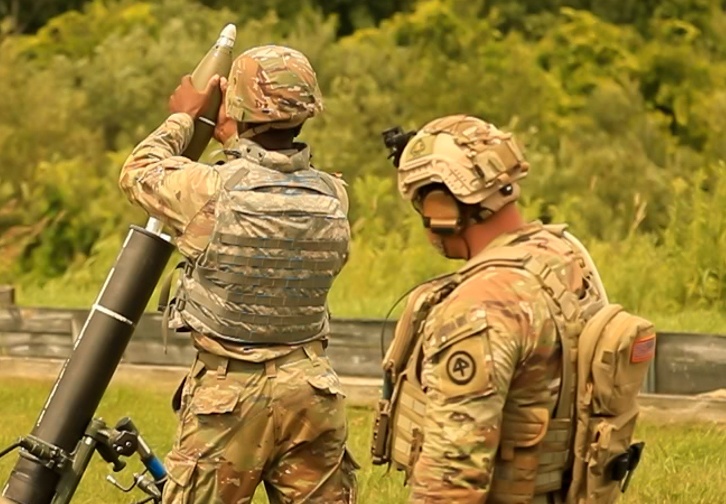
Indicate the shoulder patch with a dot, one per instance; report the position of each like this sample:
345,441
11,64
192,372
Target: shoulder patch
457,349
461,367
465,368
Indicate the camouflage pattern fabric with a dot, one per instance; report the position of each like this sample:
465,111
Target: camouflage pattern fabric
302,404
473,158
282,425
273,84
475,379
175,190
295,240
182,193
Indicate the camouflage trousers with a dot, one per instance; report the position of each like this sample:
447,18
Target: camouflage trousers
280,422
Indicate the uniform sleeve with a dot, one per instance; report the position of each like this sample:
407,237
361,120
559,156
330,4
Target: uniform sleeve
467,372
168,186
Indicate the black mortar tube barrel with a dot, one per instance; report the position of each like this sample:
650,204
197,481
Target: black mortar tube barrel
96,354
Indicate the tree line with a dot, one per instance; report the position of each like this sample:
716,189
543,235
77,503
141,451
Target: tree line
619,106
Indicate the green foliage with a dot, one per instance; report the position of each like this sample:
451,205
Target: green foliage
620,107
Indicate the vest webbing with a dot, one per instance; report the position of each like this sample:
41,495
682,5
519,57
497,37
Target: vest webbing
280,239
551,452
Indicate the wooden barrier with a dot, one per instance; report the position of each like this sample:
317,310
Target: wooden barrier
685,363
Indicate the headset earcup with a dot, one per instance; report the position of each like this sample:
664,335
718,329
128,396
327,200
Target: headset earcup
441,213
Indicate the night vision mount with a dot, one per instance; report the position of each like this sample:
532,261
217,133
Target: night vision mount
395,140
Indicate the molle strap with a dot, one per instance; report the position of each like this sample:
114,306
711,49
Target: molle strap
408,420
253,318
282,243
235,178
284,263
229,277
554,456
277,301
253,337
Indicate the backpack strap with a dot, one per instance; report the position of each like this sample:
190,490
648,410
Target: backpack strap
587,259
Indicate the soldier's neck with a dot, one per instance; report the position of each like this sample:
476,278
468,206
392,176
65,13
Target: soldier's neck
507,220
274,140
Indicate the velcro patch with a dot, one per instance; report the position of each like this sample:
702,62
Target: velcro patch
643,349
465,368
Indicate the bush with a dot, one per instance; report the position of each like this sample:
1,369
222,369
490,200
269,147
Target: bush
619,109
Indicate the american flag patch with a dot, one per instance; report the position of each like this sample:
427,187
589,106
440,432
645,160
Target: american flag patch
643,349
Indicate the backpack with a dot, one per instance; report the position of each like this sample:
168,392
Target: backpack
614,351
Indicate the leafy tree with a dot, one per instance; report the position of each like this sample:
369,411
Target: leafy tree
619,106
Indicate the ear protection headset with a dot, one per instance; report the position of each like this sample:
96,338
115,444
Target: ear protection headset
444,215
441,212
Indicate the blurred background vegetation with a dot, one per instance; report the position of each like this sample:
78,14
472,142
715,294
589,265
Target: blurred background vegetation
620,106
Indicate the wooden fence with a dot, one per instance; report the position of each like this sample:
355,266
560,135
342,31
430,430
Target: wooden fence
685,364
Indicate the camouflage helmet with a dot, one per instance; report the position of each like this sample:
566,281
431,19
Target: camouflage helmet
273,85
478,163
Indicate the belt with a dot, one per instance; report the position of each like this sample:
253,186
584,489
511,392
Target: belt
307,351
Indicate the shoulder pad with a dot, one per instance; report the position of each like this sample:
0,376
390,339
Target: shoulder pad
337,184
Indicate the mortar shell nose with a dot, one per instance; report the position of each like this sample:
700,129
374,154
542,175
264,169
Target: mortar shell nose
229,31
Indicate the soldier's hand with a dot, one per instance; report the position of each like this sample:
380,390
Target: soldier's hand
226,126
187,99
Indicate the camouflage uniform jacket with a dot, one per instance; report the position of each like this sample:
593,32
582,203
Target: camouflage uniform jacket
479,381
182,194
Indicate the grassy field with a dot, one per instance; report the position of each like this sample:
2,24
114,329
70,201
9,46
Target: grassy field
682,464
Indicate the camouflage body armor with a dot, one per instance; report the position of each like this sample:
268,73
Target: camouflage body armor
280,238
565,437
533,438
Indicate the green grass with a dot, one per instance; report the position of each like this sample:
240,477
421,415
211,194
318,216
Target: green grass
683,463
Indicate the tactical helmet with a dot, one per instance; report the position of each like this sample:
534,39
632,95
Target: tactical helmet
272,85
478,163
